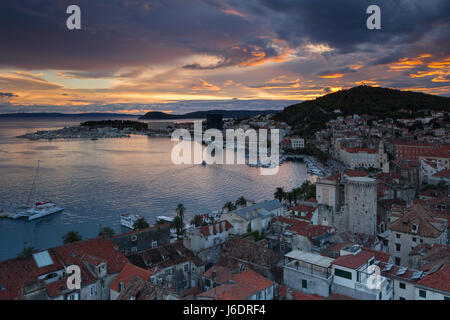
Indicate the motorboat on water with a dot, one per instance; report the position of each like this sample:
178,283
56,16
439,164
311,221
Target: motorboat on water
39,209
128,220
164,219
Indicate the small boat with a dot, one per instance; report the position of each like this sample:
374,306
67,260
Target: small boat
162,219
128,220
39,209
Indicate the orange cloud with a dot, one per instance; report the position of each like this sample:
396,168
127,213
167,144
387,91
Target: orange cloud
332,76
206,86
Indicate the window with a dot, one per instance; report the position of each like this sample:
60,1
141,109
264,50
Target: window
93,290
134,249
120,286
343,274
422,293
380,296
397,235
134,238
186,267
414,239
446,298
402,285
397,247
397,261
304,284
154,244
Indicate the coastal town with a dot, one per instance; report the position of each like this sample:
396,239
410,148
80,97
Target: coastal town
371,225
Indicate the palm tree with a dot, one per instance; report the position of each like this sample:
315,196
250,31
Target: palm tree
71,236
106,232
180,210
241,202
179,225
141,223
197,220
229,206
279,194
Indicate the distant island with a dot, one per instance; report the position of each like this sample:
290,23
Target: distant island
66,115
156,115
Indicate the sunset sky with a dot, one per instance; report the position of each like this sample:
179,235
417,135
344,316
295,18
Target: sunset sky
134,56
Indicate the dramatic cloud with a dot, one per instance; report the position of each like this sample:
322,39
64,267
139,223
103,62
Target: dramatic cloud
132,54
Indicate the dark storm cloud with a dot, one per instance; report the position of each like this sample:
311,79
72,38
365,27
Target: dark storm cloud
342,24
7,95
133,33
115,33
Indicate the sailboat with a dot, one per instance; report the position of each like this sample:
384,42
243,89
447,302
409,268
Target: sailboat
38,209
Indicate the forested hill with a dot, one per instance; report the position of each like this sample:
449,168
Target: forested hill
309,116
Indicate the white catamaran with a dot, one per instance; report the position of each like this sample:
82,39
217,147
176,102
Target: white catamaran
39,209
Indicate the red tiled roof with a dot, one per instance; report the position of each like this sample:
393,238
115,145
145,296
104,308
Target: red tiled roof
439,280
15,273
245,285
356,173
379,255
223,274
419,216
127,273
312,200
360,150
442,173
335,296
304,228
303,208
353,261
205,229
296,295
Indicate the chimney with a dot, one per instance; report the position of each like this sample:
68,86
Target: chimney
211,229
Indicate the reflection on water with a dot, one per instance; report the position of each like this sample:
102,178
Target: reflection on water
96,181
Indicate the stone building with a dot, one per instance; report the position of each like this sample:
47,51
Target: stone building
412,227
349,202
143,239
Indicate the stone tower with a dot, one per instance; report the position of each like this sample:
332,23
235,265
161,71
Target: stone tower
360,205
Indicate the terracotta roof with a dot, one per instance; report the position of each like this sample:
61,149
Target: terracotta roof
379,255
354,261
428,226
303,208
222,274
439,280
356,173
290,294
304,228
15,273
245,285
361,150
335,296
206,232
127,273
432,193
442,174
164,256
